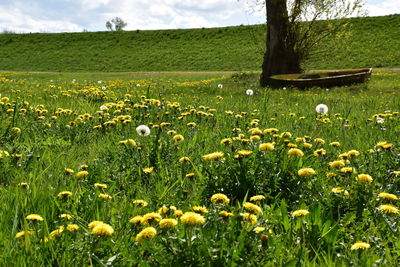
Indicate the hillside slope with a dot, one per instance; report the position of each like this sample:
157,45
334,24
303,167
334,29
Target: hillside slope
375,42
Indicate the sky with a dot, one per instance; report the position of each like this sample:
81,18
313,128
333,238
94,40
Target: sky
24,16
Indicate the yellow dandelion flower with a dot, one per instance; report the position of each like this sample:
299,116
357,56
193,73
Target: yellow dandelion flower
103,229
319,141
220,199
306,172
140,203
150,218
334,144
360,245
307,145
255,138
64,194
190,175
252,208
72,227
388,208
178,213
286,134
148,170
347,170
105,196
168,223
381,143
257,198
66,216
337,164
337,190
192,219
24,233
255,131
226,214
388,196
178,138
101,186
23,185
295,152
34,217
226,141
93,224
244,153
319,152
163,210
298,213
184,159
270,131
291,145
56,233
259,229
136,220
171,132
16,130
84,167
249,218
365,178
387,146
131,142
146,234
82,174
266,146
353,153
4,154
200,209
69,171
213,156
331,174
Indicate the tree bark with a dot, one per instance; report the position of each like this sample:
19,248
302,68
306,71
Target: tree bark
280,56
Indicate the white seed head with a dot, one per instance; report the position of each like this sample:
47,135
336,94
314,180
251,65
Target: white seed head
220,86
249,92
322,109
143,130
380,120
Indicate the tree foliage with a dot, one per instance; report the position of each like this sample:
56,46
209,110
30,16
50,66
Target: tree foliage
116,24
311,21
296,27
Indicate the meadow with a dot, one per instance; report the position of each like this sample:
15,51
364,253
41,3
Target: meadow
123,169
372,42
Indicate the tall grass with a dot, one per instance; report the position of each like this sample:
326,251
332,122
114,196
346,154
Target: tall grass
53,132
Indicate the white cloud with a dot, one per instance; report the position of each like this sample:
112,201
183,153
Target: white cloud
385,7
169,14
75,15
13,19
93,4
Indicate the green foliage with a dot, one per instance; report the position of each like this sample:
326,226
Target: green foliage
232,48
51,121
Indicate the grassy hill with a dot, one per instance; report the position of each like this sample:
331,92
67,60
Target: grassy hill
375,42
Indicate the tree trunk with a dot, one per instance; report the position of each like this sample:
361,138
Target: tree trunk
280,56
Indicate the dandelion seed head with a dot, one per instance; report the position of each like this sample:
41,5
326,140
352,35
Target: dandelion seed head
249,92
321,109
143,130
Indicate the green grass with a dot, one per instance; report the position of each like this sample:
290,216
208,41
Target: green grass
52,139
373,44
